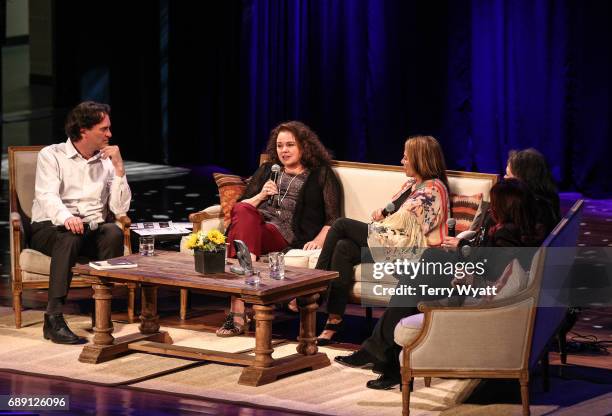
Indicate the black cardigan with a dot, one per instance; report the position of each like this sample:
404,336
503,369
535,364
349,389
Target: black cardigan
311,211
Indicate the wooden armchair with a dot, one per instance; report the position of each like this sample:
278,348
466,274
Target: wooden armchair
30,268
499,339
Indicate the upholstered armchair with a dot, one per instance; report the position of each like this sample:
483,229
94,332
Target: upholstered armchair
497,339
30,268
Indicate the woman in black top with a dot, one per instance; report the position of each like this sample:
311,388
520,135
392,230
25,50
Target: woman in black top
295,211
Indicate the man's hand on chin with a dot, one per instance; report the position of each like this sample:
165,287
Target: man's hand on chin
114,154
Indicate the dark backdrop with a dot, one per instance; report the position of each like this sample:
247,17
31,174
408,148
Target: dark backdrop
204,82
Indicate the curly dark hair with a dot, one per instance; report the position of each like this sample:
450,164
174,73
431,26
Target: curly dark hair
84,116
314,154
530,166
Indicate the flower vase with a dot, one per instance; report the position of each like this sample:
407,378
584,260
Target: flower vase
208,262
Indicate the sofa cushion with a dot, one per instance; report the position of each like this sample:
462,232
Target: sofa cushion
364,272
33,277
368,293
464,208
231,188
408,329
34,262
302,258
35,266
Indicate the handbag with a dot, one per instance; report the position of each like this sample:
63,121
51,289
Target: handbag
398,236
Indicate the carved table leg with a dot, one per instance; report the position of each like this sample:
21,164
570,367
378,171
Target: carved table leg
261,372
308,319
103,327
266,369
149,319
105,347
264,315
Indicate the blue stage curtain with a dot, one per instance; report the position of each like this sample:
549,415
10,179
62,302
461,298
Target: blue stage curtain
364,74
519,62
484,76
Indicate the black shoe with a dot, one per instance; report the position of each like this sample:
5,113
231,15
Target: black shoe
359,359
321,342
379,368
56,329
383,382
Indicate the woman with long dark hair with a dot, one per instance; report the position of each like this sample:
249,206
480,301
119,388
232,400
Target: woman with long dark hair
530,166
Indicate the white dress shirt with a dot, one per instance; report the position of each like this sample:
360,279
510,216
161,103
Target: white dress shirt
69,185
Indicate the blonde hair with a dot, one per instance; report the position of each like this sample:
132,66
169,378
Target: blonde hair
425,156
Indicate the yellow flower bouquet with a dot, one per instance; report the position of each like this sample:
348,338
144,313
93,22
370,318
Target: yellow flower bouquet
208,250
212,240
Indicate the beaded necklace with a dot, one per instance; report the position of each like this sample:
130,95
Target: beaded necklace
280,199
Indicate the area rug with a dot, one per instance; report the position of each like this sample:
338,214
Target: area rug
24,350
334,390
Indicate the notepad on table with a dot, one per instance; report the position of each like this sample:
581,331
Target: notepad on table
112,264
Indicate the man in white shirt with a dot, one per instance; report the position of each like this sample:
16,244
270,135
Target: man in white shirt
78,184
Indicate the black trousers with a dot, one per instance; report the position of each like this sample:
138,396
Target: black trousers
64,247
341,252
381,344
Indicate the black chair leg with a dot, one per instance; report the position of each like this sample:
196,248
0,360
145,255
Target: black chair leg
570,319
369,323
545,369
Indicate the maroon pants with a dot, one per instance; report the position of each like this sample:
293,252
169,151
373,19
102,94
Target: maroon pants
248,225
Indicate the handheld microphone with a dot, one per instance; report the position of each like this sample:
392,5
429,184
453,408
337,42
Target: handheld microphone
451,222
388,209
274,175
274,178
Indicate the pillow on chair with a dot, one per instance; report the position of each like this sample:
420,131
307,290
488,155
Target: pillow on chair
464,209
231,188
513,280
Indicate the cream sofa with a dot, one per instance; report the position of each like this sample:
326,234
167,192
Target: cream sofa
365,188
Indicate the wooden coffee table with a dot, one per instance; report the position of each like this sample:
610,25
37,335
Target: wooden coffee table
174,269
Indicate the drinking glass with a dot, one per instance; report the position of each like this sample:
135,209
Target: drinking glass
277,265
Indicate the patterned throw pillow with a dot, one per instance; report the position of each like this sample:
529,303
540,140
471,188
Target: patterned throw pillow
464,209
231,188
513,280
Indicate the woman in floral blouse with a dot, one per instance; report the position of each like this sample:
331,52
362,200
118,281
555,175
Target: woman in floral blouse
423,200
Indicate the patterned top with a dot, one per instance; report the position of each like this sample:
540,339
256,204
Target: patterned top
289,188
429,202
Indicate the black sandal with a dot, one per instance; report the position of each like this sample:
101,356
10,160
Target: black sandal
337,328
231,328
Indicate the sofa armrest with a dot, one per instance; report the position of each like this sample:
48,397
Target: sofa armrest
15,220
124,222
16,228
481,338
211,217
